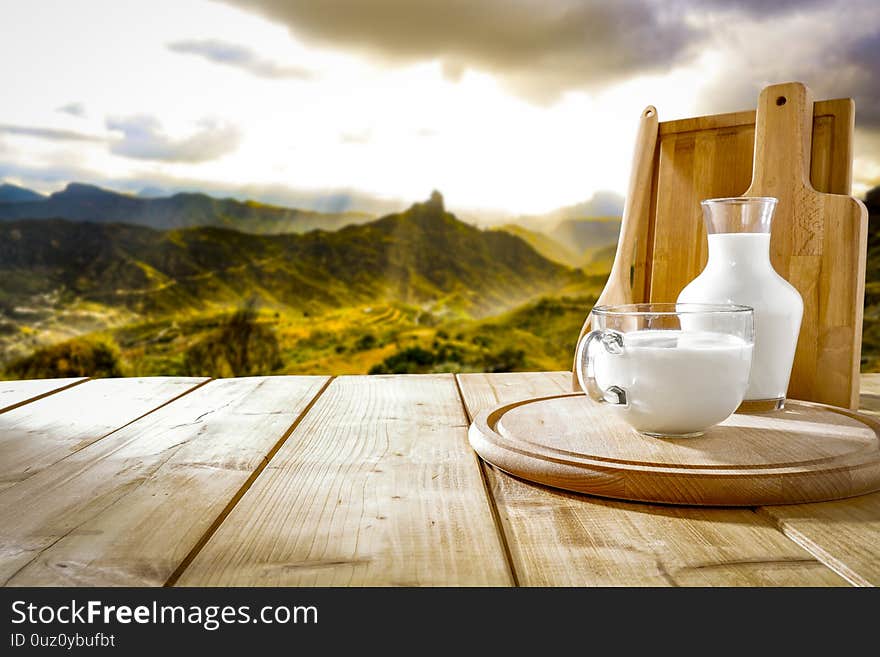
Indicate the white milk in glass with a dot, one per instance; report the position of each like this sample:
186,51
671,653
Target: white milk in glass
676,382
739,272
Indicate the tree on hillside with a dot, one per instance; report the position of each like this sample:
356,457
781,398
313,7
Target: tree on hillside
240,347
77,357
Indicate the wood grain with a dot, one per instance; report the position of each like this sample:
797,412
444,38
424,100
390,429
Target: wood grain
693,165
34,436
634,223
800,152
129,509
804,453
818,242
376,487
844,534
557,538
16,393
869,393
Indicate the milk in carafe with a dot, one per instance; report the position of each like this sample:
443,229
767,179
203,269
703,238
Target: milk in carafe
739,271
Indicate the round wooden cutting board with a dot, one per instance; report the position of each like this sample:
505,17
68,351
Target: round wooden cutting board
803,453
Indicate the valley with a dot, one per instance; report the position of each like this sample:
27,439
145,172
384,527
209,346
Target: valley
416,291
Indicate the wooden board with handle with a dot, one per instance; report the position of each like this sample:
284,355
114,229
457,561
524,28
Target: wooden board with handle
795,150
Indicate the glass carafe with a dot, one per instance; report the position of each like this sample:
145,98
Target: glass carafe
739,272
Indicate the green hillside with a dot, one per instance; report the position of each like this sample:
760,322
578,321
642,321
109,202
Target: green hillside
586,243
423,255
545,245
79,202
586,235
343,301
601,204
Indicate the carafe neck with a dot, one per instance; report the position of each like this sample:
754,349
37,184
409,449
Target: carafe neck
743,251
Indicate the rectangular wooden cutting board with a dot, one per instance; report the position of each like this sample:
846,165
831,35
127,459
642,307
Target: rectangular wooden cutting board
790,148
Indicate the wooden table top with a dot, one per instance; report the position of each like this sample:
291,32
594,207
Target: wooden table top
361,481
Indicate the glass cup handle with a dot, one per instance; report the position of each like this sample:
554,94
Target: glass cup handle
585,366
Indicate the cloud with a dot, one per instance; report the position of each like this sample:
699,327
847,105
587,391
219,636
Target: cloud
539,48
51,134
143,139
834,58
74,109
240,57
859,76
54,173
362,137
763,8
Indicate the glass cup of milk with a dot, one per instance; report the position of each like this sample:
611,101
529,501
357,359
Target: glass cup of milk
668,369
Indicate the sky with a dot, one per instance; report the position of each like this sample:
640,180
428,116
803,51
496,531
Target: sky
506,106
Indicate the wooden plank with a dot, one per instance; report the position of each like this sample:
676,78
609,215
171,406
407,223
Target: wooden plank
560,539
869,399
36,435
130,509
843,534
377,486
15,393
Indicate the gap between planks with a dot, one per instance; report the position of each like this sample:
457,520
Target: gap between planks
109,433
821,555
211,530
490,498
43,395
142,416
789,533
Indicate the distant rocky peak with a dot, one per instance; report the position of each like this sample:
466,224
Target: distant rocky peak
435,202
82,190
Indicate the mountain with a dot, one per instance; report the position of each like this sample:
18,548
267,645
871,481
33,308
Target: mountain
587,230
15,194
586,236
152,191
421,256
601,204
545,245
79,202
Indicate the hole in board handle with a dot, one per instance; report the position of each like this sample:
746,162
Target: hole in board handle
781,101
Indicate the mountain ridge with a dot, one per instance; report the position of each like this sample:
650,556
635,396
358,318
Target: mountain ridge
84,202
423,255
14,194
